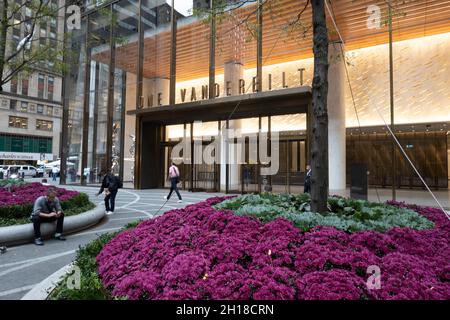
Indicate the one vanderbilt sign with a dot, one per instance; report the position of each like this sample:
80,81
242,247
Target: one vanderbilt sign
195,93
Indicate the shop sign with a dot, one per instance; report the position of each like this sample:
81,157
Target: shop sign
25,156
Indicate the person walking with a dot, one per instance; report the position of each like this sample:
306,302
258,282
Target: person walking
307,188
47,209
174,176
111,185
247,176
54,172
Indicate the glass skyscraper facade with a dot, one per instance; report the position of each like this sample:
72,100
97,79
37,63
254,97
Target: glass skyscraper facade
147,74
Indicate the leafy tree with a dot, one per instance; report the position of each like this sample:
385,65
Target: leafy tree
23,46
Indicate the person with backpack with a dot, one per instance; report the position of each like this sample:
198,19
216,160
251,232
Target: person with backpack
174,176
110,184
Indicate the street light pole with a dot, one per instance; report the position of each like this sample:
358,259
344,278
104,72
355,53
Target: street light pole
391,82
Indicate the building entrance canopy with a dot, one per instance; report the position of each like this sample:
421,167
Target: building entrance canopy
154,149
281,102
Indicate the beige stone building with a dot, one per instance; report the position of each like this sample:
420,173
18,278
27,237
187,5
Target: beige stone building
31,104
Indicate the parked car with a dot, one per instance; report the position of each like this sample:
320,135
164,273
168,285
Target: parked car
4,171
18,170
31,171
10,170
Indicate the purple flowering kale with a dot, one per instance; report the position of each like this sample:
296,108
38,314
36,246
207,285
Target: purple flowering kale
227,281
331,285
405,277
28,193
203,253
140,285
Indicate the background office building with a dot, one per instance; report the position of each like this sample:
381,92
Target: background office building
31,103
148,72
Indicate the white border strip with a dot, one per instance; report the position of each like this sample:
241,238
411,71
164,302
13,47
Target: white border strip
42,290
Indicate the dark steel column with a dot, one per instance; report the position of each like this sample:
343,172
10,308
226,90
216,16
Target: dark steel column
94,133
140,60
64,142
259,51
192,156
161,143
212,54
184,157
87,85
173,55
391,82
258,163
288,165
139,100
269,143
110,118
227,170
218,157
309,126
138,153
122,125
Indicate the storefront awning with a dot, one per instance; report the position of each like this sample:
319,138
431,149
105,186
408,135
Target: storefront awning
268,103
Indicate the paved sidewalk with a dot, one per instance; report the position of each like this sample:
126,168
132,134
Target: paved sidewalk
420,197
22,267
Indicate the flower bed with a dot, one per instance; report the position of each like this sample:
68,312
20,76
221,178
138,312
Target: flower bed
344,214
91,287
200,252
16,206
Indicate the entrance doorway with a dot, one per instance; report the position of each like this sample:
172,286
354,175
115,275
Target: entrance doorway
193,177
292,159
288,108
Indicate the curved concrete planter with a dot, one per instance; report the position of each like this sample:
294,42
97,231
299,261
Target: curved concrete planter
24,233
43,289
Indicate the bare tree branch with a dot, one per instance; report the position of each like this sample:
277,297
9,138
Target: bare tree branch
299,14
16,9
27,39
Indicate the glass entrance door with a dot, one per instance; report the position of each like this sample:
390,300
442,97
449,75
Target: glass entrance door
292,166
202,177
297,165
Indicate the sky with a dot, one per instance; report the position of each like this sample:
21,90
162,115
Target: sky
182,6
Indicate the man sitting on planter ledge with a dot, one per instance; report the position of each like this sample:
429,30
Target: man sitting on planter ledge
47,209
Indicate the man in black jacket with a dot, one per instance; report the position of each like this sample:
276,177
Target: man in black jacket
110,185
307,188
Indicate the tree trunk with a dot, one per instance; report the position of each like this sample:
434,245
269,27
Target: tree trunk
319,143
3,30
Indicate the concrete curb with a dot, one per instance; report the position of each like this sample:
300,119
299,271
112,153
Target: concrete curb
13,235
43,289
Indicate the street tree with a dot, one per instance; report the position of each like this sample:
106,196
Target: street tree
25,45
221,9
